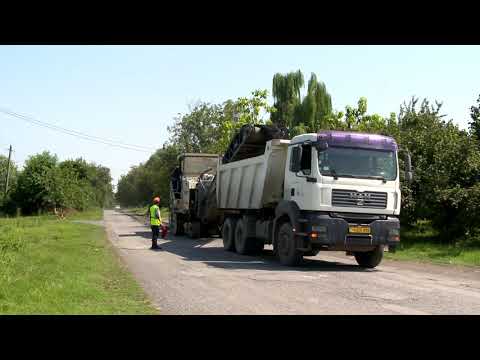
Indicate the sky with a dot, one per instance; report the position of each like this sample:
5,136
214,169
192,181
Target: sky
132,93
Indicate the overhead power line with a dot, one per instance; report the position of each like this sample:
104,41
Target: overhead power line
78,134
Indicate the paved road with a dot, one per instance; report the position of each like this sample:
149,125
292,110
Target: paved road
199,277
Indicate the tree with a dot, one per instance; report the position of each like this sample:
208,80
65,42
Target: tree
46,184
447,166
159,168
95,180
287,99
354,118
37,184
196,130
316,106
149,179
208,128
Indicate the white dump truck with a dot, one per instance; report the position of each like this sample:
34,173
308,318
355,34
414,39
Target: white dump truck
324,191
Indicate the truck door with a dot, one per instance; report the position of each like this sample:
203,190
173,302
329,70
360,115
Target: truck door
296,181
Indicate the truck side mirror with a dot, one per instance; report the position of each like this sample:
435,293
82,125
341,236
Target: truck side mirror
295,163
408,167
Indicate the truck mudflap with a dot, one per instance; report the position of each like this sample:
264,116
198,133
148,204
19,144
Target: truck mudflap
340,234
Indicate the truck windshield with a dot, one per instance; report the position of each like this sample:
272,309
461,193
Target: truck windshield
358,163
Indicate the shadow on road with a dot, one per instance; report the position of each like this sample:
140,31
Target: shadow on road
144,234
216,256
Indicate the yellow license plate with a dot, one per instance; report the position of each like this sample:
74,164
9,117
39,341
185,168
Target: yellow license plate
359,229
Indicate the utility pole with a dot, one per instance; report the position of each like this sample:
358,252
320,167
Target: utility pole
8,169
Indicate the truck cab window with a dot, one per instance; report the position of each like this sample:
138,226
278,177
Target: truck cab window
306,160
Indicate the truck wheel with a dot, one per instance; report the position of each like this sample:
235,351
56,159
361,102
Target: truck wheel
227,234
369,259
286,247
176,224
241,241
244,244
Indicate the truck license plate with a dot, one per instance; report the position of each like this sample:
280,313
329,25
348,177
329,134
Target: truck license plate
359,229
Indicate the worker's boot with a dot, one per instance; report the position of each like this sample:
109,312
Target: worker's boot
155,245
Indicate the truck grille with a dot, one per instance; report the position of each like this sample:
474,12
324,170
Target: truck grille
353,198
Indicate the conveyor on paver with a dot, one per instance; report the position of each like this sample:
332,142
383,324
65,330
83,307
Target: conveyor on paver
250,141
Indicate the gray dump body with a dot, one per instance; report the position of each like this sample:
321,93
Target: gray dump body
253,183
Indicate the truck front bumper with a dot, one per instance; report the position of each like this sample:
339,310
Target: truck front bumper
333,232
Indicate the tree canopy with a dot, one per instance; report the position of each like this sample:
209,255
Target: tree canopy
45,184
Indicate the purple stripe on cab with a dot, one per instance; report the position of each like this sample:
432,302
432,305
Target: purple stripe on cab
358,140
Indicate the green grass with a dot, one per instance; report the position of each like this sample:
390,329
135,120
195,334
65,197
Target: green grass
421,244
91,214
50,266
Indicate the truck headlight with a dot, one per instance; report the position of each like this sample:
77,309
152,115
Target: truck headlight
318,232
395,200
394,235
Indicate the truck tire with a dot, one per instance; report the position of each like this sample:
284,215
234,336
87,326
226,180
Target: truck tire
286,248
241,240
244,244
176,225
228,229
369,259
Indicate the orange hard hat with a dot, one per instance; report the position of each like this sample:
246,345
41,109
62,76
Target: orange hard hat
156,199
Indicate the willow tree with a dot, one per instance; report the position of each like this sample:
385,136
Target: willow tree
287,100
316,105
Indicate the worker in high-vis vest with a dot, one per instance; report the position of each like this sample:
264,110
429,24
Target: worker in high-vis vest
155,222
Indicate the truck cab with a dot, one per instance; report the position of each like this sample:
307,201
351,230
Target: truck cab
343,172
342,192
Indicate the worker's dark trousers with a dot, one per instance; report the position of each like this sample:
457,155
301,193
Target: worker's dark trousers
155,234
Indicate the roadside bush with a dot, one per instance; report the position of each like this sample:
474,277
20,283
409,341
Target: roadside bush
446,168
461,216
48,185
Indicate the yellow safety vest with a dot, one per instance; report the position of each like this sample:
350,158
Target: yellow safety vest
153,215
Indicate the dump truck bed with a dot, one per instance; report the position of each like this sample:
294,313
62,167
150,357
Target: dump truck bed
253,183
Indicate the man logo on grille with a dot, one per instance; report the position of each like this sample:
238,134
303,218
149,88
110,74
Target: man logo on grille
359,197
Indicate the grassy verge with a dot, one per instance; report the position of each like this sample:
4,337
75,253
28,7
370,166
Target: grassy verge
49,266
92,214
421,244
